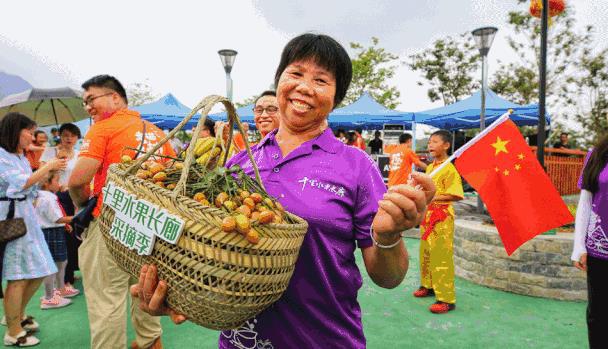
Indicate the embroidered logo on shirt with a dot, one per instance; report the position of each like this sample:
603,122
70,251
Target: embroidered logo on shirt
596,237
313,183
246,337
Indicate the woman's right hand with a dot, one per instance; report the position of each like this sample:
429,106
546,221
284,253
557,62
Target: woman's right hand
152,293
57,164
582,263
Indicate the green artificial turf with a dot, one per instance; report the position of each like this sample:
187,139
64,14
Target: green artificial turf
484,318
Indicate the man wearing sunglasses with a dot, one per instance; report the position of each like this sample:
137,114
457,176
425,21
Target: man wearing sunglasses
116,129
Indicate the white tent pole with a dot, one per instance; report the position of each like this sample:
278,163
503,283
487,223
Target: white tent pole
414,136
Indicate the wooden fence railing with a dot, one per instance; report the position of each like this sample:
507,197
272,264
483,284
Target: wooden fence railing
564,167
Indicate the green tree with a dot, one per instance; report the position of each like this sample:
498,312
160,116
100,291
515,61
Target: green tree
591,96
373,66
447,68
245,101
518,81
140,93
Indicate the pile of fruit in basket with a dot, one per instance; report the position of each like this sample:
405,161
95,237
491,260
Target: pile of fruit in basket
245,201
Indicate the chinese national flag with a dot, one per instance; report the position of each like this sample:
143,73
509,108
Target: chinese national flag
516,190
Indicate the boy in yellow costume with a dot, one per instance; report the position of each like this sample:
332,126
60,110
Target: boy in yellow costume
437,230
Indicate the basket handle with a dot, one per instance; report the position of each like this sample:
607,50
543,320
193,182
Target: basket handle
205,107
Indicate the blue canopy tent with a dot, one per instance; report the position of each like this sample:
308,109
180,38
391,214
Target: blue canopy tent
368,114
166,113
245,114
465,114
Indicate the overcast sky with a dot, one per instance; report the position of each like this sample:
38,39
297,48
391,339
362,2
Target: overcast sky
172,45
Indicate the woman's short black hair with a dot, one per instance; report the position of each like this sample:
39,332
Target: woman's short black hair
38,132
10,130
265,93
106,81
323,50
71,128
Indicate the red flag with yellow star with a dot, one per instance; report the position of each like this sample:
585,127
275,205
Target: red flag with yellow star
516,190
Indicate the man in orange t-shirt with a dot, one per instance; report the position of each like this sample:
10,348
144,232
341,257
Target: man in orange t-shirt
401,160
105,284
359,141
238,140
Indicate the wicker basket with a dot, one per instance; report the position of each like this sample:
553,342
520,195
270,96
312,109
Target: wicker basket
218,280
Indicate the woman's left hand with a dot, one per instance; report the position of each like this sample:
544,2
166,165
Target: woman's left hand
403,206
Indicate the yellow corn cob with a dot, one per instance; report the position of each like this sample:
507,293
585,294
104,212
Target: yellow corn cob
203,146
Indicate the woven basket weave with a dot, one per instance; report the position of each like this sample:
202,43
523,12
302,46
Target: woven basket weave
218,280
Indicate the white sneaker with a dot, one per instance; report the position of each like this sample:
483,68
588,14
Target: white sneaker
55,302
67,292
28,323
21,340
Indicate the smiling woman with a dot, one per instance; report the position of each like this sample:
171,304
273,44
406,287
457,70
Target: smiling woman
339,191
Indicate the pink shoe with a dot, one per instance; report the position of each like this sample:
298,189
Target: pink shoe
55,302
68,292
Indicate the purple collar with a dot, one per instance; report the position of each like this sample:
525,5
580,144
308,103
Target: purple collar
325,141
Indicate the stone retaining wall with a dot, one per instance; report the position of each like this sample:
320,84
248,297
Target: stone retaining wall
540,268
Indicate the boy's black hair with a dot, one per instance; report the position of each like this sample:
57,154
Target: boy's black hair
404,137
445,135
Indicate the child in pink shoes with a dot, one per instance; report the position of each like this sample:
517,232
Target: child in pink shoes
53,221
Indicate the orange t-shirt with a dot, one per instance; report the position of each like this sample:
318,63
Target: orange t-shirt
33,156
106,141
400,164
238,141
360,142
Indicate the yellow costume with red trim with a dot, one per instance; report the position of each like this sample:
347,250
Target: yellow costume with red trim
437,236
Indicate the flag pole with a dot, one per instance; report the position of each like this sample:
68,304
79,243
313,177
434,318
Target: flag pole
470,143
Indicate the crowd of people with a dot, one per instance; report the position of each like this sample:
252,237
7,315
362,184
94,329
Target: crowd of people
47,181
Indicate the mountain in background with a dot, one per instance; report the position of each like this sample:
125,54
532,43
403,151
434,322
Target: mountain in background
10,84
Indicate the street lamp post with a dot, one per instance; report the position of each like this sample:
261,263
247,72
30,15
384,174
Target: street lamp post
483,38
227,57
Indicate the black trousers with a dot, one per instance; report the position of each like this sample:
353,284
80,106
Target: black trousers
597,308
71,241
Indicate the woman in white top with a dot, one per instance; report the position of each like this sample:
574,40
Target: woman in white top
69,134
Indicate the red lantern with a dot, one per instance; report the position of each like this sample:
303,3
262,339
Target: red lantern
556,7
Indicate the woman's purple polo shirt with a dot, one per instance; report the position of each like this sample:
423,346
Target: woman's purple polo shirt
336,189
596,241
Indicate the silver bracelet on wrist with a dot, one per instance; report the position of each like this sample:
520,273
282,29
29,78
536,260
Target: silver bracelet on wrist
371,234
